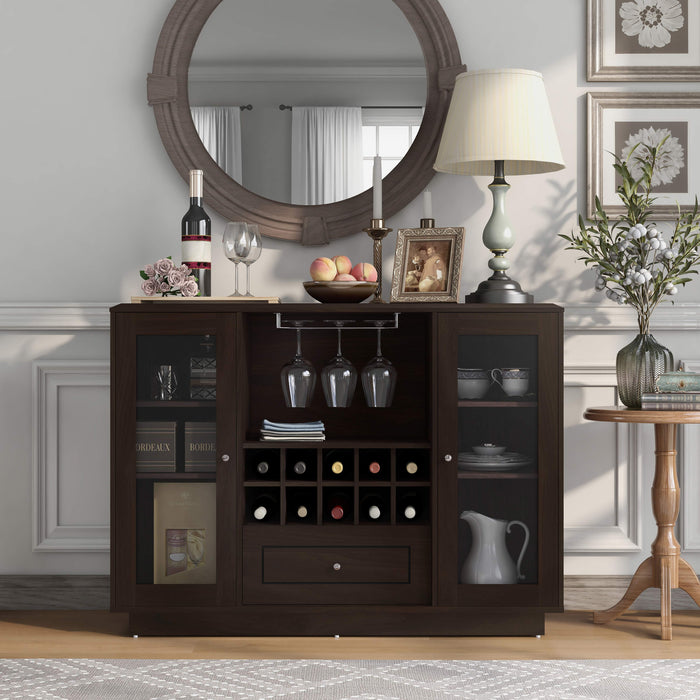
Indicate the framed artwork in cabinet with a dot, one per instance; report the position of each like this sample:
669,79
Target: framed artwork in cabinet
643,40
619,122
427,264
184,532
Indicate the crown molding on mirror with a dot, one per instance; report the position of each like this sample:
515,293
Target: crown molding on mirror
168,95
276,74
592,318
52,316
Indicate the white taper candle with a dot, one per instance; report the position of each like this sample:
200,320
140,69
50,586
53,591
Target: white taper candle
377,188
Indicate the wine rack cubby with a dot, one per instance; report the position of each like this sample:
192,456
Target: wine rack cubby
370,485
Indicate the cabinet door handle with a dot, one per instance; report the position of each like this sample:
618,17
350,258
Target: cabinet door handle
448,458
225,458
336,566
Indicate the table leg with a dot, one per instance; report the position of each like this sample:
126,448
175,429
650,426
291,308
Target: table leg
661,570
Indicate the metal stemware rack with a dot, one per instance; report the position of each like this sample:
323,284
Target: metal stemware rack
373,323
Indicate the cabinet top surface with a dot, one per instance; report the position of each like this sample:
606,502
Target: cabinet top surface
201,305
622,414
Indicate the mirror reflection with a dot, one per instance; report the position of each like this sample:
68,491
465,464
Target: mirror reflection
293,100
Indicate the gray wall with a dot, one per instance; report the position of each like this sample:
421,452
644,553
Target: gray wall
90,196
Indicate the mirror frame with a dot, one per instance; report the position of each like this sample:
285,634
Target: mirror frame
167,89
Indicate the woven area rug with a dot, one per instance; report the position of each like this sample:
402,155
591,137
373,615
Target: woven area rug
111,679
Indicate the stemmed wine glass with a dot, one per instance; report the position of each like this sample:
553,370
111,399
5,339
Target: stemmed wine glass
298,378
254,248
338,378
236,245
379,377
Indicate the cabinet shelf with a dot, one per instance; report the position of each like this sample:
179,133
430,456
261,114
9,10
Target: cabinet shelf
496,475
470,403
175,404
335,444
177,476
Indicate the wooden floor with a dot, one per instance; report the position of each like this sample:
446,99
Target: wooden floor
569,635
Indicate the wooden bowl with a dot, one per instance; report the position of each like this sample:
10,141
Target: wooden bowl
340,292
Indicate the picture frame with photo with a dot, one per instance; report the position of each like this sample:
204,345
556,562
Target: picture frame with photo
617,121
427,264
642,40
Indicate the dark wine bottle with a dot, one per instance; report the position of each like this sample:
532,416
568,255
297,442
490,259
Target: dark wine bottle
299,468
264,507
372,506
262,467
196,236
338,507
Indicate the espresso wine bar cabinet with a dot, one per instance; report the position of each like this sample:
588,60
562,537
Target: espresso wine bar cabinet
400,521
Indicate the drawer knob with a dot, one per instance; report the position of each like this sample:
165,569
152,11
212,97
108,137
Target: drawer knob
336,566
225,458
448,458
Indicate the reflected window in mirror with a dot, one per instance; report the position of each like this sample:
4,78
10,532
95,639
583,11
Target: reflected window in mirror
388,133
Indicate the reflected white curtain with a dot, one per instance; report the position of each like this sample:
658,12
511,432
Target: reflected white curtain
220,131
326,154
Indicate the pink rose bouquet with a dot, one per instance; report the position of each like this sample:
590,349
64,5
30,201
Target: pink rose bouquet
166,278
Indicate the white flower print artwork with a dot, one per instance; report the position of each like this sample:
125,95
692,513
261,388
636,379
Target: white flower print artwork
651,21
671,157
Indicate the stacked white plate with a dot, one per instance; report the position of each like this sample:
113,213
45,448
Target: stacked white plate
506,462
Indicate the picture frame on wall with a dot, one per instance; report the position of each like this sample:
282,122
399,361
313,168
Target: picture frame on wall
427,264
617,121
643,40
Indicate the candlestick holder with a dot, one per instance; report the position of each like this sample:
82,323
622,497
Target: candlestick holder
427,223
377,231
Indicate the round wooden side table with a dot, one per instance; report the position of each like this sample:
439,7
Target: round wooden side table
664,569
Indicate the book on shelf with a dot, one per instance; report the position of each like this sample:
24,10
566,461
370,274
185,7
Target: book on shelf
155,446
200,446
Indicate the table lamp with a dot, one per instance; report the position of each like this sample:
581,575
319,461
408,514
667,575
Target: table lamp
499,122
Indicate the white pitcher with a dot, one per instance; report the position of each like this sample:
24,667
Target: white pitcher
488,560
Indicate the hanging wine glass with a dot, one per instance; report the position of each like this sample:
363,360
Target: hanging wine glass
254,250
298,379
236,245
338,379
379,377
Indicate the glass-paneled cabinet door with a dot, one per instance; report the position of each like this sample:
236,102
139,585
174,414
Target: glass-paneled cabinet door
170,452
499,458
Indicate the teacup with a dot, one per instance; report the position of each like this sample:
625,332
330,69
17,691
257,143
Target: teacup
513,380
472,383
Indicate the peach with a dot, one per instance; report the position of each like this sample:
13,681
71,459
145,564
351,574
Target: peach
323,270
364,272
343,264
344,277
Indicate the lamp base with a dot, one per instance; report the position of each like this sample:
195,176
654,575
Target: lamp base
499,289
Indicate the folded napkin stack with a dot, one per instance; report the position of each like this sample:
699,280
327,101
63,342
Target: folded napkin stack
302,432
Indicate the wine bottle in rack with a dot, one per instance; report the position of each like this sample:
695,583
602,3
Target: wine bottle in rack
196,236
373,507
339,507
338,465
299,468
264,507
262,468
301,508
411,468
409,507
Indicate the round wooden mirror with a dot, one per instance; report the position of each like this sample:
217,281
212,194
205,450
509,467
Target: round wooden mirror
168,94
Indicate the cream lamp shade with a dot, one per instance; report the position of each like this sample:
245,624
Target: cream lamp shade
499,115
499,123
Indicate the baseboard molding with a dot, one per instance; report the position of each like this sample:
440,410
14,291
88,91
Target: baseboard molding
92,593
54,592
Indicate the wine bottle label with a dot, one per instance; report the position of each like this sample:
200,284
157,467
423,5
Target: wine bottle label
375,467
337,512
302,511
337,467
411,467
374,512
196,249
409,512
260,512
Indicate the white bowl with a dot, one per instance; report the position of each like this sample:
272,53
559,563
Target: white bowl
488,449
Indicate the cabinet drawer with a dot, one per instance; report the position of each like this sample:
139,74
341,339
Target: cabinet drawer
336,564
326,566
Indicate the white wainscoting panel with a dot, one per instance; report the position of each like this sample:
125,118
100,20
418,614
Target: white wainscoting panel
71,456
602,469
